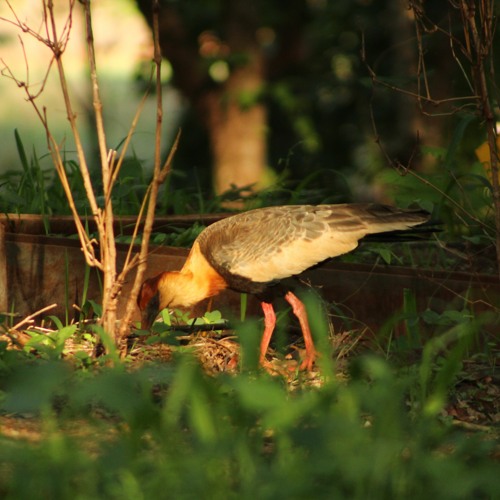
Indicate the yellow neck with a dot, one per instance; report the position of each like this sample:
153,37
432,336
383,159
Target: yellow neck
180,289
197,280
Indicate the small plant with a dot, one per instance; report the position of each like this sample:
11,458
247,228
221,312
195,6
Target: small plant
170,427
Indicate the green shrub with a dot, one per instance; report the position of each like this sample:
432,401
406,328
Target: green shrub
170,431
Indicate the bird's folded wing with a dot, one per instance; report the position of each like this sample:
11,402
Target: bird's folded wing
276,243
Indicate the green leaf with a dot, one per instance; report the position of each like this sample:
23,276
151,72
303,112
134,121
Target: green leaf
211,317
63,334
386,254
436,152
96,307
21,152
57,322
165,316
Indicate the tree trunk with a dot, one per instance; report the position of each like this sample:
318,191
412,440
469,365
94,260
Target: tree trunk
231,110
237,133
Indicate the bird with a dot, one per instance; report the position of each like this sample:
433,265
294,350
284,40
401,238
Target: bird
251,252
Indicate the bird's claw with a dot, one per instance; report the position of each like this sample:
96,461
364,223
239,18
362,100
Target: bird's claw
308,362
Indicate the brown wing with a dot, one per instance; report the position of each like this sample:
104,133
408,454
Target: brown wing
277,242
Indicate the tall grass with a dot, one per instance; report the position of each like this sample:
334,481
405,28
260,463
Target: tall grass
170,431
33,188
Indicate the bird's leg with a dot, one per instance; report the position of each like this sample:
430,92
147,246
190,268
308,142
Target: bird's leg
269,324
300,311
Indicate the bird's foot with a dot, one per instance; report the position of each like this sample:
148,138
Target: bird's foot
269,366
307,364
289,365
232,363
308,361
284,368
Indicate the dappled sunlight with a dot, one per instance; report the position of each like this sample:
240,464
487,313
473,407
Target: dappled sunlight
122,43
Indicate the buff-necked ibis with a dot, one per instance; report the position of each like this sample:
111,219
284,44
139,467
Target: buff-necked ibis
252,251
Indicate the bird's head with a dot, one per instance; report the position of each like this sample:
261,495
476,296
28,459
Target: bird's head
168,289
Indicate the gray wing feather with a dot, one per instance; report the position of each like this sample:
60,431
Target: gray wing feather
276,242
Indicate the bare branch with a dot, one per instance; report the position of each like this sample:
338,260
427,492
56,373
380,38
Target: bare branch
56,39
159,175
29,319
115,170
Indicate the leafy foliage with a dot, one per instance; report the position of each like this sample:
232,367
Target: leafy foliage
35,189
116,432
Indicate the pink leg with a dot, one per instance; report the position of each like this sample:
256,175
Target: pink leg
269,324
300,311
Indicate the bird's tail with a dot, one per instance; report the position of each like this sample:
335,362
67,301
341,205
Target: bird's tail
423,232
384,219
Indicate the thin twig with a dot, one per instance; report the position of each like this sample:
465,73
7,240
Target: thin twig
159,175
29,319
481,48
116,168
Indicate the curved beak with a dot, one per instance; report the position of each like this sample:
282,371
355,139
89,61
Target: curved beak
149,313
149,302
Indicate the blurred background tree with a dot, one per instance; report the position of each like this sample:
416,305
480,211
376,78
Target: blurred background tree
279,89
296,96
